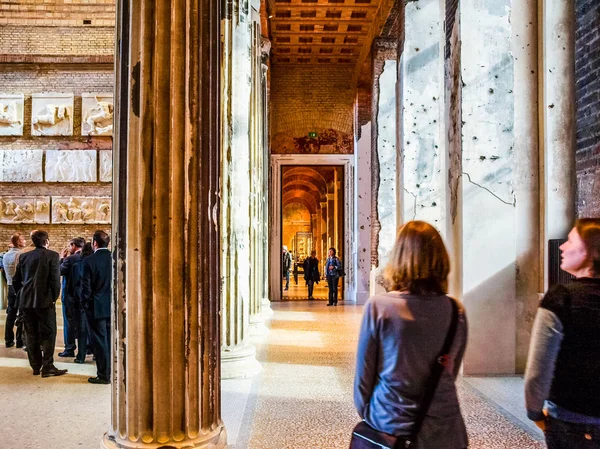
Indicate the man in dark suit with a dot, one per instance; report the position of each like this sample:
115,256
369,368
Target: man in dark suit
37,282
96,286
69,257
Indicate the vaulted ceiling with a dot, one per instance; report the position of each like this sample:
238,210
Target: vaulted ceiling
325,31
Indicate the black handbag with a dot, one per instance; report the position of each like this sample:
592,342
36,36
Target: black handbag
365,437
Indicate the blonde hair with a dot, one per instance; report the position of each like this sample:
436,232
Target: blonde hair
419,262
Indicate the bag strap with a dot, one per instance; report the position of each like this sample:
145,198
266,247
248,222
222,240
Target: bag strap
441,361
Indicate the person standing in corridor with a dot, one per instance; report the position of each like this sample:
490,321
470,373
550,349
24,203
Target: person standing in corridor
9,263
311,273
96,287
37,282
333,271
286,266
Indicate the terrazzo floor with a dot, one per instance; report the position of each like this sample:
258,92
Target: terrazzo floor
302,399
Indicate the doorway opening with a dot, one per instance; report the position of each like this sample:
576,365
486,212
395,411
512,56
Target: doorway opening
312,220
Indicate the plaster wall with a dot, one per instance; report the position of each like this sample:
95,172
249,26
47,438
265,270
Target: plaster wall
387,200
423,192
488,202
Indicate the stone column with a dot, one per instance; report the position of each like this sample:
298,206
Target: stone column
558,108
238,358
257,326
363,210
529,274
166,339
266,303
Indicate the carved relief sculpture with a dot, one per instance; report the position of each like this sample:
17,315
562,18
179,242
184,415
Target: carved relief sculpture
11,114
25,209
74,210
52,114
71,165
97,114
21,165
105,166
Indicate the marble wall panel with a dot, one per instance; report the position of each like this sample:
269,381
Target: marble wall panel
52,114
21,165
11,114
76,210
105,166
97,110
32,209
71,166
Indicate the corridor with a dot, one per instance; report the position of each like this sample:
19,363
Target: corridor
302,399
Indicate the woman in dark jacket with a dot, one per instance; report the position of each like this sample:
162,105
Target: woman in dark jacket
562,387
333,268
311,273
402,334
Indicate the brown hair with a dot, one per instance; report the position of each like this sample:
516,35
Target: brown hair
15,239
589,231
419,262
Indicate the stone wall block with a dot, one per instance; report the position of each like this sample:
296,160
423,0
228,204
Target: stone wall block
21,165
97,111
72,210
52,114
106,166
25,210
12,116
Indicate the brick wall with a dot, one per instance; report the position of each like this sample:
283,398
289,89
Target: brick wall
57,12
311,98
587,66
47,40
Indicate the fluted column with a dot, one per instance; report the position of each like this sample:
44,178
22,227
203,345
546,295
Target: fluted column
165,379
257,318
238,356
265,302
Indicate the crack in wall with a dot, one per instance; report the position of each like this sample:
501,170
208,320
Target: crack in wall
514,202
414,195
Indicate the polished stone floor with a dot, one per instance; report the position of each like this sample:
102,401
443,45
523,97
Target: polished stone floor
302,399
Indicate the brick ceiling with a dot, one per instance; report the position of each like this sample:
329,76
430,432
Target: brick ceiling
324,31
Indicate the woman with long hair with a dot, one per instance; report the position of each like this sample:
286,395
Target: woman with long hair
562,379
402,334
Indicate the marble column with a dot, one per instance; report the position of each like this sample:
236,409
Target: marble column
238,356
264,104
257,318
363,209
558,106
166,325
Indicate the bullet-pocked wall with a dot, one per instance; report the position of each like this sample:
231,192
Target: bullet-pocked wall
56,75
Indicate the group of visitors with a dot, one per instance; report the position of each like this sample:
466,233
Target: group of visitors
413,338
333,272
33,277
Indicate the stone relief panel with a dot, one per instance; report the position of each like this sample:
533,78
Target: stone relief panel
33,209
97,114
73,210
52,114
105,166
71,166
11,114
21,165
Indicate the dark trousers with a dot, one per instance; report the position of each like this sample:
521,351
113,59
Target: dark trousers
99,329
567,435
332,283
11,316
286,276
81,329
68,311
40,330
311,287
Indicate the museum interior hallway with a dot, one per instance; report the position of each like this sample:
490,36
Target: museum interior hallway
302,398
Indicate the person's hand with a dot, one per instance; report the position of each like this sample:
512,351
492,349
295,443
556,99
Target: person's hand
541,424
65,253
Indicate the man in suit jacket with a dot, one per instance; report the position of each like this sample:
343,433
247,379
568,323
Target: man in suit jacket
37,282
96,287
69,257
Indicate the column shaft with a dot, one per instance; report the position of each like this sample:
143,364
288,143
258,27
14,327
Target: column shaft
166,304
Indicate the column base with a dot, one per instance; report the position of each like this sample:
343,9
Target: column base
217,439
239,362
257,326
265,308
